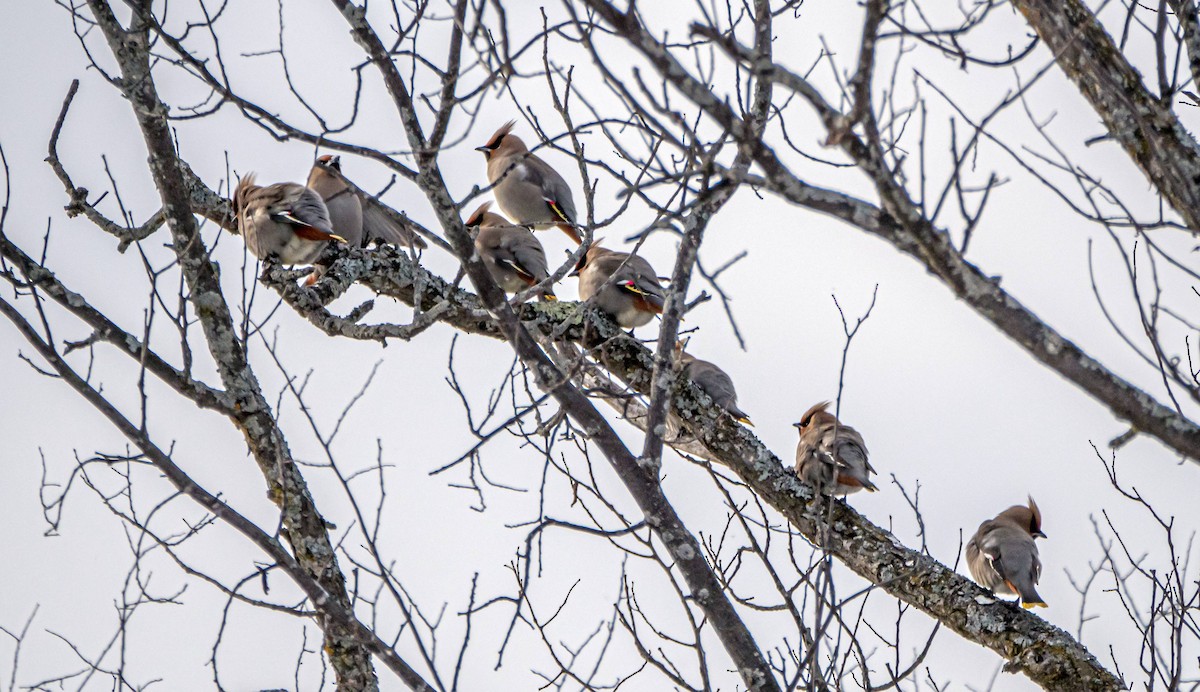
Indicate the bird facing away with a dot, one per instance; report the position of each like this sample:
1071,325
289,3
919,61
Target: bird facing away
527,189
514,257
715,382
356,218
1003,557
284,222
620,284
831,456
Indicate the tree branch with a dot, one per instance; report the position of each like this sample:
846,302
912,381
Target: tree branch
1143,125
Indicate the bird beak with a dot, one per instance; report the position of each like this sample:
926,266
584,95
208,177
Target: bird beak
336,160
1039,534
485,149
797,425
573,273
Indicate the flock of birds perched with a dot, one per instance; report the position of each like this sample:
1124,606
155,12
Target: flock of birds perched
291,223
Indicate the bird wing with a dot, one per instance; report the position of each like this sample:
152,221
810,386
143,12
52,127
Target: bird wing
639,278
850,454
554,189
526,254
307,212
718,385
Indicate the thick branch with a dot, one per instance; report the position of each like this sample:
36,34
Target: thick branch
1145,126
330,609
44,281
1045,653
640,478
302,522
910,232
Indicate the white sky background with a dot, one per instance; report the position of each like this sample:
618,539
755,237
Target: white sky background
943,399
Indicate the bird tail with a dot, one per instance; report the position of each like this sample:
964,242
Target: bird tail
1029,595
569,229
548,296
313,233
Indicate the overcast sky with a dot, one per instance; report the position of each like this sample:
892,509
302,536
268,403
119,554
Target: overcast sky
943,399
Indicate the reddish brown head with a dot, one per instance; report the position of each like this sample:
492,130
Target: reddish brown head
476,217
1028,518
330,161
594,250
815,416
503,142
483,217
244,187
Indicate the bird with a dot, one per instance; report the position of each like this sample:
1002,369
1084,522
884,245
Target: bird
356,217
511,253
1003,556
715,382
620,284
285,222
831,456
527,189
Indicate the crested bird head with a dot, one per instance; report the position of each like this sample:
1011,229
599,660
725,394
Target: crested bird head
330,161
499,138
1028,518
815,416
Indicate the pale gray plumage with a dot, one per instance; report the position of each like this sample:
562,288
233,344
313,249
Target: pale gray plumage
620,284
831,456
528,190
713,380
356,217
1003,556
284,222
514,257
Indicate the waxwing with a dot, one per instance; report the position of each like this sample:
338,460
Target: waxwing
713,380
831,456
1003,557
623,285
527,189
284,222
511,253
355,217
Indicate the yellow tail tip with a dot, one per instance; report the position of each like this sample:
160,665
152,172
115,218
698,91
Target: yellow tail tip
338,238
745,421
1034,604
550,297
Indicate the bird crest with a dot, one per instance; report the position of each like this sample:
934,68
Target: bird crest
587,256
1035,520
244,187
498,136
330,161
807,418
476,217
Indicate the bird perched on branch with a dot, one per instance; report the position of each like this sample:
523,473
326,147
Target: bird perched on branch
831,456
1003,556
285,222
621,284
511,253
715,382
355,217
527,189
